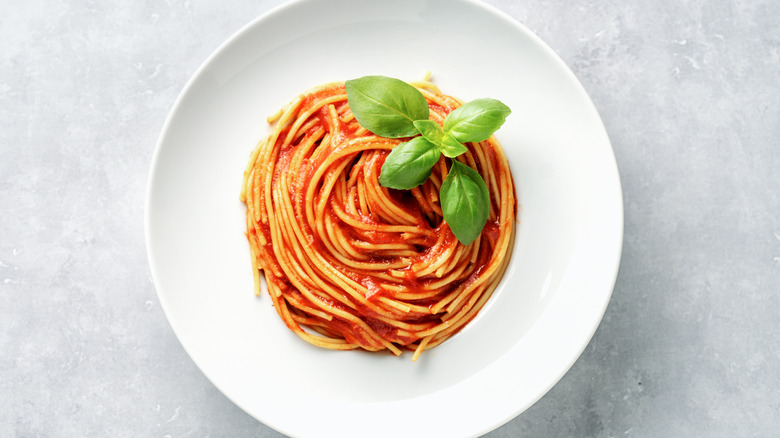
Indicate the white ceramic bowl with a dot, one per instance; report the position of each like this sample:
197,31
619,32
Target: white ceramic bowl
542,315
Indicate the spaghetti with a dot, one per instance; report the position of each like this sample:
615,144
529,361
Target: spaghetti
350,264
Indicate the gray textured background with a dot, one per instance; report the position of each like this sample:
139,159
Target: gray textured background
689,92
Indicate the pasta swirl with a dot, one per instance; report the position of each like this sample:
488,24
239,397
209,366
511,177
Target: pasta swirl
350,264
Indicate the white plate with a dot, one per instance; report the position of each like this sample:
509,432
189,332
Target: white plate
541,317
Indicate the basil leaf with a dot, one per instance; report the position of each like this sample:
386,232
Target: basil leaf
430,130
409,164
476,120
451,147
386,106
465,202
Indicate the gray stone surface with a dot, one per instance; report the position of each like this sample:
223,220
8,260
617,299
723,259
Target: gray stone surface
689,92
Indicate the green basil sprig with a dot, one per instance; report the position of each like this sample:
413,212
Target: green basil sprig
389,107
